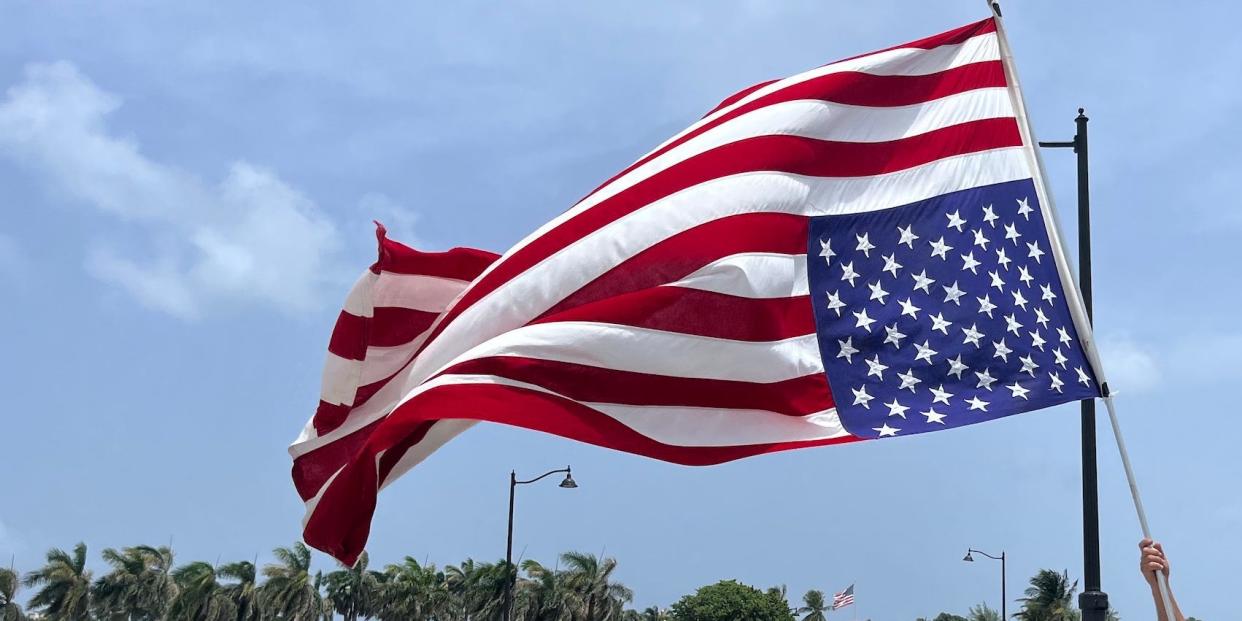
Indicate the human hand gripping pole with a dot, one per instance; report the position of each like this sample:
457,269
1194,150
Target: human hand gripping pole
1154,565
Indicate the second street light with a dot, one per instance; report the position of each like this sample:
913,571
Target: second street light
567,483
970,559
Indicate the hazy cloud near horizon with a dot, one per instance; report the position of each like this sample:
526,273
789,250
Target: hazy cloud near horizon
176,243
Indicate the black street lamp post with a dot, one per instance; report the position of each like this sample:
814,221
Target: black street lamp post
568,483
970,559
1092,601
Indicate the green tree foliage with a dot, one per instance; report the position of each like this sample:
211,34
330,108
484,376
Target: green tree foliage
651,613
200,596
983,613
544,596
478,589
139,586
729,600
291,592
813,606
142,584
241,588
413,591
64,586
10,610
354,592
595,597
1049,598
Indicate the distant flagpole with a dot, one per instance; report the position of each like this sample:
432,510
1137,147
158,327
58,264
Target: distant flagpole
1077,305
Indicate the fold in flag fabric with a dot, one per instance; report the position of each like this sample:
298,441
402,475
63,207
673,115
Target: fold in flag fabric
864,250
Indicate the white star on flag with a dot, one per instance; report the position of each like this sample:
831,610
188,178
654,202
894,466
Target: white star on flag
864,245
877,291
825,251
896,409
848,273
956,221
894,336
921,281
1024,208
847,349
875,367
861,397
981,240
907,236
891,265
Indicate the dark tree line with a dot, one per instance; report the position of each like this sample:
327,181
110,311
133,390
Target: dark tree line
142,583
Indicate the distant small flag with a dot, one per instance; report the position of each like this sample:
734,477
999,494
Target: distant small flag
843,599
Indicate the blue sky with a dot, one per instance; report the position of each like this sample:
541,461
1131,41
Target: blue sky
187,194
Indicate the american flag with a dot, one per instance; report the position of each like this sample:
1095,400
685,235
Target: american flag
843,599
857,251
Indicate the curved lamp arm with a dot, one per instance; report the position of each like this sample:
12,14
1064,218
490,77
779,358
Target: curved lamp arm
566,470
995,558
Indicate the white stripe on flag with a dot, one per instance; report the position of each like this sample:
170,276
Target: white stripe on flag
752,275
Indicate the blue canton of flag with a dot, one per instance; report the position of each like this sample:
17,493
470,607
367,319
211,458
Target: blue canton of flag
943,313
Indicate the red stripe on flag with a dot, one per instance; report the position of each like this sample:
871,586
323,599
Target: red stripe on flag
311,470
689,250
329,416
394,326
701,313
349,336
794,397
340,522
736,97
457,263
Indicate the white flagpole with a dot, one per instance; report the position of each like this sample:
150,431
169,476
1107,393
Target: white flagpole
1076,306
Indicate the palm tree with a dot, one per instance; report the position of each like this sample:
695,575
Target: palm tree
200,596
814,606
983,613
291,593
325,606
588,578
1049,598
10,610
413,591
140,585
541,595
65,586
653,613
244,592
354,591
479,589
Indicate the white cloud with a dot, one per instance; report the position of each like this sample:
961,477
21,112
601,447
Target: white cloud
1129,365
251,238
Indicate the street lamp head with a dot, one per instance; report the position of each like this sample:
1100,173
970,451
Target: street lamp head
968,558
569,482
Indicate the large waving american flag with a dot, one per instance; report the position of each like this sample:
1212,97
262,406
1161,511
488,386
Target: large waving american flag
862,250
